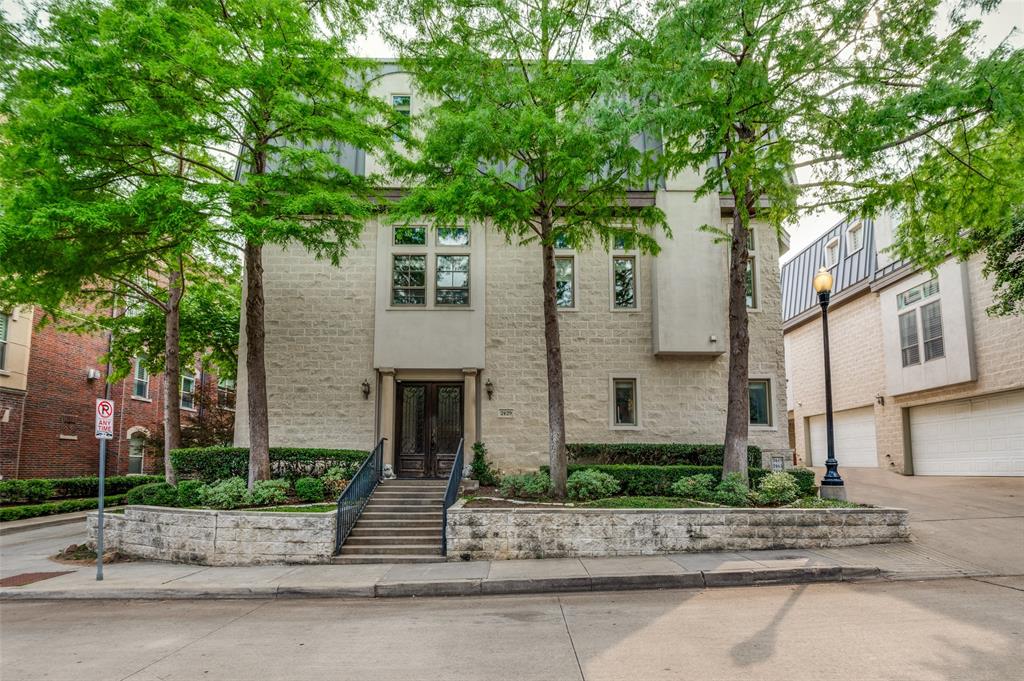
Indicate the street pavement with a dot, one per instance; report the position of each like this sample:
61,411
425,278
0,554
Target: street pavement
968,629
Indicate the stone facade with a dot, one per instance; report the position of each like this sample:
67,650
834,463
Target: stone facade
496,534
218,537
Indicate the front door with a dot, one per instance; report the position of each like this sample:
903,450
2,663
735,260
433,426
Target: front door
429,428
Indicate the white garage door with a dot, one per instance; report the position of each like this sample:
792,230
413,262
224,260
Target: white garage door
854,435
983,436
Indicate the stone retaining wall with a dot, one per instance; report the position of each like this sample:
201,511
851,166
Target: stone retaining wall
218,537
497,533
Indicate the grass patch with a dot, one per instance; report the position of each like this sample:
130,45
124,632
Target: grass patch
643,502
315,508
818,502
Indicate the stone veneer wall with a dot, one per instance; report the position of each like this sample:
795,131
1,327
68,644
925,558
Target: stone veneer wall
218,537
492,534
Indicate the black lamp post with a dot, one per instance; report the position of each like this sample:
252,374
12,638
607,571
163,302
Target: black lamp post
831,485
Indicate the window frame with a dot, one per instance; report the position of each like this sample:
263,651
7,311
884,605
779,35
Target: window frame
941,338
437,237
855,228
139,437
426,279
143,380
394,236
613,423
916,344
223,389
571,257
407,113
635,258
834,241
751,272
191,376
770,425
929,293
4,339
469,281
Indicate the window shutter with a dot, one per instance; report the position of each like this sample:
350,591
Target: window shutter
931,329
908,339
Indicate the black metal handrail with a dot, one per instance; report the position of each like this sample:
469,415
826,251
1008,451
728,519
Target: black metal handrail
357,493
451,493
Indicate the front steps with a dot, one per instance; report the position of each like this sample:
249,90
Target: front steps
400,524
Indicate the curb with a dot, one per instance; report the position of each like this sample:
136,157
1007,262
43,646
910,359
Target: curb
476,587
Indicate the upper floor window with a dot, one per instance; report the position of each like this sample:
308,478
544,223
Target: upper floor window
409,280
565,281
921,322
188,390
402,104
854,238
561,242
5,321
226,393
751,280
624,282
140,385
760,394
832,252
452,236
452,280
410,236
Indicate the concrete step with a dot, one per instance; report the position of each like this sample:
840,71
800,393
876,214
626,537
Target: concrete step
393,558
407,494
425,524
396,549
433,530
413,484
433,540
388,514
401,501
402,508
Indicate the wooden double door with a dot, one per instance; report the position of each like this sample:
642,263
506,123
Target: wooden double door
428,428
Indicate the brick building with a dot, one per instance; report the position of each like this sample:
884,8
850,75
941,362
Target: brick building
924,381
49,382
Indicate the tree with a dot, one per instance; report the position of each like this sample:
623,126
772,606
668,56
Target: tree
753,93
529,137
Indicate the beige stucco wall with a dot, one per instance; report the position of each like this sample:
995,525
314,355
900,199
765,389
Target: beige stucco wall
858,364
14,374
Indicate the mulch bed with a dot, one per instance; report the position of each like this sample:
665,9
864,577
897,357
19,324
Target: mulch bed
80,554
31,578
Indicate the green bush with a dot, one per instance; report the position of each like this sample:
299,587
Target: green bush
210,464
732,491
588,485
267,492
654,481
153,494
526,485
54,507
336,480
481,467
190,493
700,487
226,494
671,454
310,489
777,489
39,489
31,491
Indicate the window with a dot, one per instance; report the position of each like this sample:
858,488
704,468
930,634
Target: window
410,236
402,104
854,238
409,280
561,242
832,253
908,339
926,290
452,279
760,402
5,321
226,393
565,285
140,386
452,236
931,330
136,450
624,282
751,280
624,401
188,390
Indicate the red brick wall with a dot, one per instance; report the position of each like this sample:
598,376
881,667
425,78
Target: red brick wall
12,404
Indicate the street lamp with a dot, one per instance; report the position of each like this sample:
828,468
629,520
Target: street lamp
831,485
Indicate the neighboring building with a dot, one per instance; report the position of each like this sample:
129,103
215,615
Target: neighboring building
49,383
924,382
446,330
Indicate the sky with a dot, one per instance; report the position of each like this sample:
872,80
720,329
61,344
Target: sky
996,27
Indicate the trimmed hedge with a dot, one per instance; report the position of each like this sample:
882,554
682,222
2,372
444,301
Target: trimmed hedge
66,506
40,489
655,454
210,464
657,481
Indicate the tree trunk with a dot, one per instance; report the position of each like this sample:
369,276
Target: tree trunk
255,366
556,392
172,372
738,414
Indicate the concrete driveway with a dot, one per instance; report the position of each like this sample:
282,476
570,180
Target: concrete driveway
980,520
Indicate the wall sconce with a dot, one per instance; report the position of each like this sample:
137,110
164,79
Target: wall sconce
880,399
489,387
366,390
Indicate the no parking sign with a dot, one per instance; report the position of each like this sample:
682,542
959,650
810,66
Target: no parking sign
105,419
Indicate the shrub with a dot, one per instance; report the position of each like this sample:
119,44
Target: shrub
732,491
54,507
336,479
39,489
230,493
653,481
32,491
267,492
700,486
777,489
153,494
588,485
481,466
672,454
526,485
310,489
210,464
190,493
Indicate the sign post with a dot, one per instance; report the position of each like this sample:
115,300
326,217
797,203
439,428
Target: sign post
104,432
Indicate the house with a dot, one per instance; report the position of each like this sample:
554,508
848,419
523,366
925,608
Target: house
426,337
49,383
924,382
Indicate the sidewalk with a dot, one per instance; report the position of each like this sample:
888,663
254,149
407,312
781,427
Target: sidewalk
150,580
